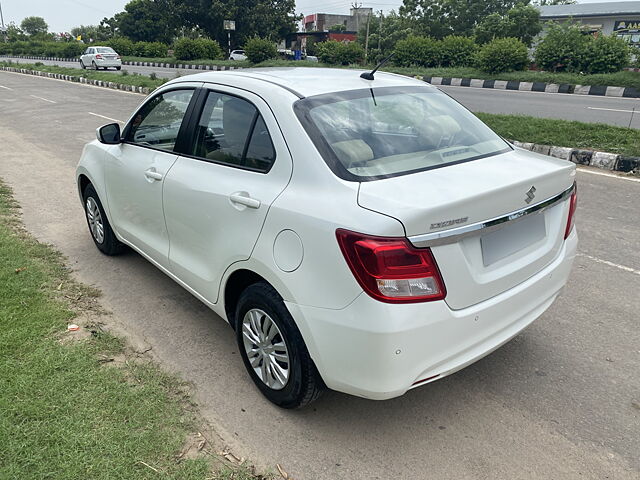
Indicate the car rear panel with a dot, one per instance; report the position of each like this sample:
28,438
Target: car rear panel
486,262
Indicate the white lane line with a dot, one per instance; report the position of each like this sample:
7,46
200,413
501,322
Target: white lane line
106,118
43,99
611,264
610,175
613,110
6,88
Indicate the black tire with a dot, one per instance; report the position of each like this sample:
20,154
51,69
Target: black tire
118,68
109,245
82,65
94,66
304,384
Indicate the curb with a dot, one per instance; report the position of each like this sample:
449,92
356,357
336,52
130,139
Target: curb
592,158
78,79
600,90
184,66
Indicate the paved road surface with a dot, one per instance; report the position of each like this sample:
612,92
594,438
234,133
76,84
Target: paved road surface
585,108
562,400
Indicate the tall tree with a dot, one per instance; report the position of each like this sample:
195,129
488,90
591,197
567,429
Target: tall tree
522,22
148,21
34,25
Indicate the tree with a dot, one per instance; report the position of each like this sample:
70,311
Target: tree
90,32
14,33
384,33
522,22
338,27
147,21
34,26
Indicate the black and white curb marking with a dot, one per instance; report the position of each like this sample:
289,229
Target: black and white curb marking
604,160
601,90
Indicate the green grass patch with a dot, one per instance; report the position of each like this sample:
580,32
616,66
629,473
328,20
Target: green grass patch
133,79
63,412
565,133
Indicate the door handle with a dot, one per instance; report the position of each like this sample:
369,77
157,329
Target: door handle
152,174
243,198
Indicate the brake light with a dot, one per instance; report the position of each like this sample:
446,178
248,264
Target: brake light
117,57
390,269
99,57
571,219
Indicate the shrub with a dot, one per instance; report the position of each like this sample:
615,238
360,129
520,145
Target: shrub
122,45
151,49
199,48
503,55
605,54
71,49
417,51
562,48
260,49
339,53
457,51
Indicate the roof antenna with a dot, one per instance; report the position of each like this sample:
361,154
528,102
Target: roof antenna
369,75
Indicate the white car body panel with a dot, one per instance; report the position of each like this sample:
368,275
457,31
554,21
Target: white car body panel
360,345
101,60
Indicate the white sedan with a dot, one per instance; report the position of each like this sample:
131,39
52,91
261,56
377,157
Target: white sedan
100,57
237,55
365,235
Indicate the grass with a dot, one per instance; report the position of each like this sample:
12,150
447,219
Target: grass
63,412
133,79
564,133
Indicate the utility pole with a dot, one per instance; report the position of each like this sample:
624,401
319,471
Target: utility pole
2,29
380,33
366,41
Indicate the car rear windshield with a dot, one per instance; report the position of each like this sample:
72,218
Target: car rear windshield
384,132
105,50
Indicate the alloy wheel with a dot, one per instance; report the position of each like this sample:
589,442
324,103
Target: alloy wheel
94,217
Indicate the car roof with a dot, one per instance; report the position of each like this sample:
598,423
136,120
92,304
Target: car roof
307,81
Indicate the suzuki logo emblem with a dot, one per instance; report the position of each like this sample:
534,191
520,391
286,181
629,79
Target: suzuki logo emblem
531,194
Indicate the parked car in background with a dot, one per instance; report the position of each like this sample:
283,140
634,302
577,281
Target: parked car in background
237,55
100,57
370,235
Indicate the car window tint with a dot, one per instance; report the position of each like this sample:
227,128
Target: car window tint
231,131
157,123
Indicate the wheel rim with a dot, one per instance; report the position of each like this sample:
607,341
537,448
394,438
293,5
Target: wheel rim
266,349
95,220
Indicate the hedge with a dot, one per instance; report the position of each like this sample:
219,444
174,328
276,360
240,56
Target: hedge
260,49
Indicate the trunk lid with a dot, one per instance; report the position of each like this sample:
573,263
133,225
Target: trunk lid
483,263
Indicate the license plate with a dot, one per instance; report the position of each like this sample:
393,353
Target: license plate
512,238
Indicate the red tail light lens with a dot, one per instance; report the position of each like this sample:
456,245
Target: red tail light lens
390,269
99,57
571,219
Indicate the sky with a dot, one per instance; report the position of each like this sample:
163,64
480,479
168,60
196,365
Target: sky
63,15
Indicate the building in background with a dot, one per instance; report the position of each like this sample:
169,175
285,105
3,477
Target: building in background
322,22
611,18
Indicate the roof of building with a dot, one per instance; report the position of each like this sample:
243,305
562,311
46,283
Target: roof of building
307,81
590,9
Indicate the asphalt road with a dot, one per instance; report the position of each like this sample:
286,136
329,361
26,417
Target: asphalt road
562,400
584,108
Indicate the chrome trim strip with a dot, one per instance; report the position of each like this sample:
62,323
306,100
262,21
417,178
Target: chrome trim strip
452,235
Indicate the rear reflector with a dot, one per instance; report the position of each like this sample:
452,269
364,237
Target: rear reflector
571,219
390,269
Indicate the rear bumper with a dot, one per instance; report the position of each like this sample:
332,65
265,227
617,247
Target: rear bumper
108,63
379,351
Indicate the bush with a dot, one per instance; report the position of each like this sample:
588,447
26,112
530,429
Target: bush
457,51
605,54
260,49
151,49
417,51
503,55
194,49
71,49
122,45
339,53
562,48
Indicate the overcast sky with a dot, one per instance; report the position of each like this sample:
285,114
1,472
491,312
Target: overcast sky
62,15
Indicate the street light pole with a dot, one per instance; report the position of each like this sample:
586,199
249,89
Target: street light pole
4,30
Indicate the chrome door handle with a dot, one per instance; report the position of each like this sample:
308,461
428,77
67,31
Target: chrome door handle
243,198
152,174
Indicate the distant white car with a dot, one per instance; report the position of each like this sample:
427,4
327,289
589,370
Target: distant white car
370,235
100,57
237,55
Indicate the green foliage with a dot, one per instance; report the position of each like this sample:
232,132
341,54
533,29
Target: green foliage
417,51
199,48
522,22
337,28
148,21
457,51
339,53
122,45
150,49
606,54
34,26
260,49
503,55
70,49
91,33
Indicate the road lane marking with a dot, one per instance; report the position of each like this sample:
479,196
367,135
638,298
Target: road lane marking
44,99
611,264
602,174
613,110
6,88
106,118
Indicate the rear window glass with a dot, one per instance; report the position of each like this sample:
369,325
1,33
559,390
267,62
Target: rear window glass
105,50
379,133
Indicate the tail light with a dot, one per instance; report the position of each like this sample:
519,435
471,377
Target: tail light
117,57
390,269
571,219
99,57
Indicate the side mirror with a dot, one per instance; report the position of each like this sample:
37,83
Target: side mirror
109,134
